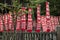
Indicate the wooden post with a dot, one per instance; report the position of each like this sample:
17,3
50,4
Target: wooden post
58,32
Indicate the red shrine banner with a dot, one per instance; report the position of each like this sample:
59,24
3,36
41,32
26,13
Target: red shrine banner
23,20
57,19
10,22
48,17
43,22
29,23
1,24
38,27
52,23
18,23
5,18
56,23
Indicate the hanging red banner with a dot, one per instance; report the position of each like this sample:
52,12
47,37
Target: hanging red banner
43,22
57,19
10,22
1,24
29,26
56,23
5,18
23,20
18,23
48,17
38,27
52,23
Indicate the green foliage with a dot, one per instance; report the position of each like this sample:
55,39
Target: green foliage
36,1
53,4
16,5
33,3
54,7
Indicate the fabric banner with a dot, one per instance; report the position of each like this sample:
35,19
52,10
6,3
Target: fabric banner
1,24
10,22
52,23
29,23
5,18
23,20
43,22
48,17
18,23
38,27
56,23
